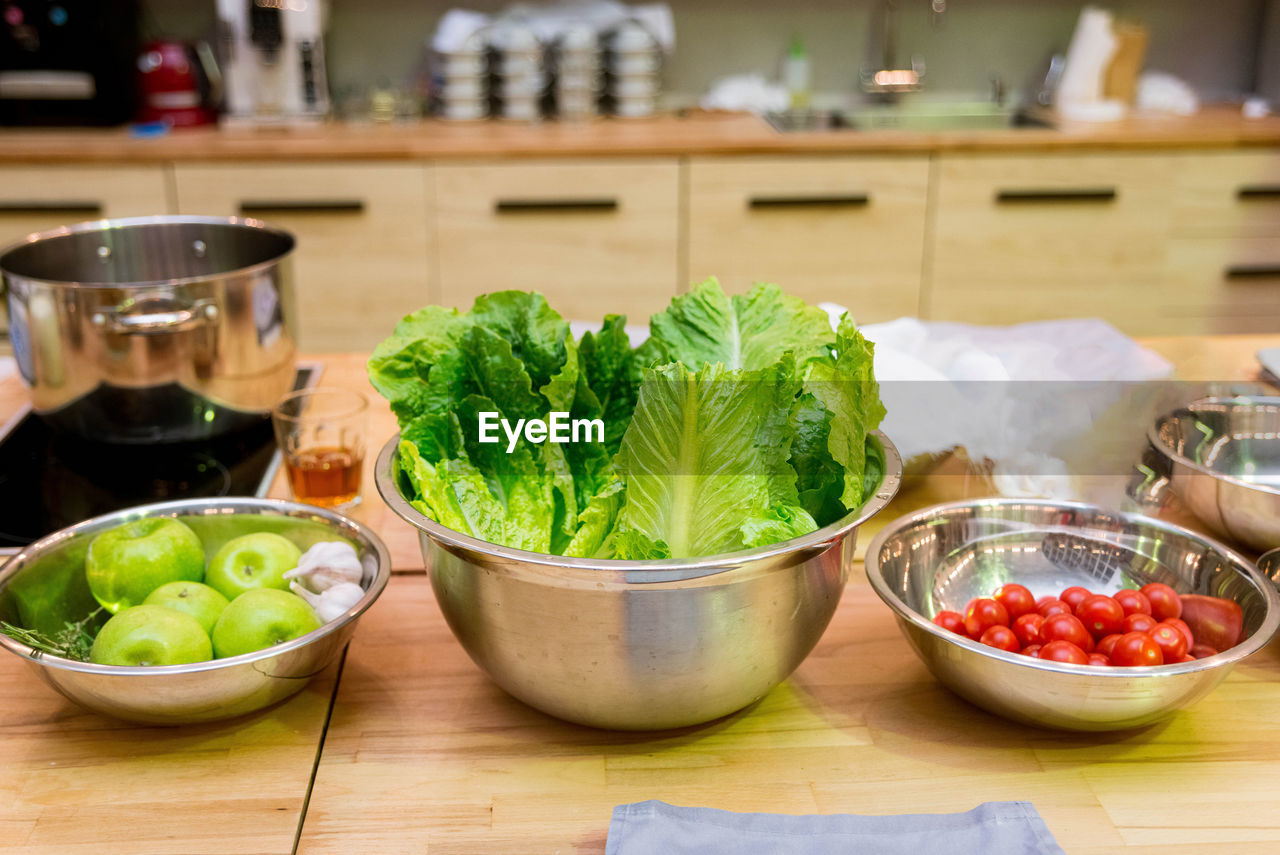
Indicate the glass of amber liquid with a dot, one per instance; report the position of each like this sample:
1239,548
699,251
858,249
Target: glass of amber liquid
320,432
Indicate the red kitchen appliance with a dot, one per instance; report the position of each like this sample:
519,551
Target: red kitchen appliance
178,83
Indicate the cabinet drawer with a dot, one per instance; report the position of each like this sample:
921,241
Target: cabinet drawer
33,199
1221,285
1031,237
37,198
845,229
1228,194
594,236
362,229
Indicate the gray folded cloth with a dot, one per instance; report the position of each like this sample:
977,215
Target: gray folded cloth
994,828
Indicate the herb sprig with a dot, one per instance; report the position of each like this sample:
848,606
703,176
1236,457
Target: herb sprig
73,641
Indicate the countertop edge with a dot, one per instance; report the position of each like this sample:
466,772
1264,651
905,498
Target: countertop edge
702,134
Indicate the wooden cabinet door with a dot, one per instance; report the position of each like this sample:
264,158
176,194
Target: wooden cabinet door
1224,251
845,229
595,236
363,238
37,198
1032,237
1227,194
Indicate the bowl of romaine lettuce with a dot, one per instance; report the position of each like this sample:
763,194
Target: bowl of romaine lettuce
635,537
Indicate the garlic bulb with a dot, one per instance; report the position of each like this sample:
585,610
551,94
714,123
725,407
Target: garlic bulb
333,601
327,564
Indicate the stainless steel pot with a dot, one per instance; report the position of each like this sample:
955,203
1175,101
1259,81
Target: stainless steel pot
638,645
153,329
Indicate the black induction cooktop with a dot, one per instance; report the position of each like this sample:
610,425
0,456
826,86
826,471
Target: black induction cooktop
49,481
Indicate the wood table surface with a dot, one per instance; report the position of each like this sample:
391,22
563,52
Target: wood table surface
406,747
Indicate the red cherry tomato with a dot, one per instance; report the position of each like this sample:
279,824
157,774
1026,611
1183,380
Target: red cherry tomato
1107,644
1032,650
953,621
1016,599
1099,659
1064,651
1138,622
1074,595
1001,638
1173,646
1182,627
1136,648
1214,621
1066,628
1164,600
1200,651
1027,628
982,614
1100,614
1132,601
1187,657
1047,606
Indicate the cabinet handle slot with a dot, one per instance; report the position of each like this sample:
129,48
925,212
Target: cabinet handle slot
851,200
1252,271
36,207
555,206
1092,195
267,207
1259,193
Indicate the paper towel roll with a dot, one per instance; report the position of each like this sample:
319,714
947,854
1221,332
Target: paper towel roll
1083,77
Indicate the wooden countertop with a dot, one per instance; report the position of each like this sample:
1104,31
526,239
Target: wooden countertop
696,134
411,749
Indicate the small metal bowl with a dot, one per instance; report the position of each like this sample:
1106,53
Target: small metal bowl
947,554
1221,458
203,691
1269,565
638,645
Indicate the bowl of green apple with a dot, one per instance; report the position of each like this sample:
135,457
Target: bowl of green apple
193,610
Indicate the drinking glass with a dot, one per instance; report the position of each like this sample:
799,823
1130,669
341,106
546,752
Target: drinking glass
320,432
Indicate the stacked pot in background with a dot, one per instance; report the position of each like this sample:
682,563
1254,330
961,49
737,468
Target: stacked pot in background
506,70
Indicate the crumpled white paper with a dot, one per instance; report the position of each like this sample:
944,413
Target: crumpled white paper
1010,395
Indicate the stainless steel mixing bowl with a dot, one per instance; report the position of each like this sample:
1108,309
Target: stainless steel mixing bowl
1221,458
49,575
638,645
947,554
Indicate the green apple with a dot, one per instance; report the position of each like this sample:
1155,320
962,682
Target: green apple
127,562
151,635
200,601
261,618
257,560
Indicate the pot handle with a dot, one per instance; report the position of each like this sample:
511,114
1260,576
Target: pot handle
151,317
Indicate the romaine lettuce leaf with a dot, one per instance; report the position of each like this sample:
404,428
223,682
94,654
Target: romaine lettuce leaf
692,468
741,421
596,522
847,389
778,524
607,359
747,331
400,364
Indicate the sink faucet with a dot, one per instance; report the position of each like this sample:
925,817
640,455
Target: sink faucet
890,80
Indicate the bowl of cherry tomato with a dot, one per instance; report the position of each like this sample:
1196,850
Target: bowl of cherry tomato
1068,615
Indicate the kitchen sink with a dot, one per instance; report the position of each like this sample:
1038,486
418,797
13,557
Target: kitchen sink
925,116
